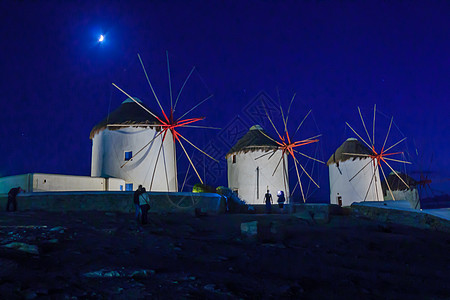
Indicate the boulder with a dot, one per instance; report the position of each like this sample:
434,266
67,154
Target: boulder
249,230
32,249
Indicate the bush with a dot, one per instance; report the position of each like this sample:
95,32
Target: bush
203,188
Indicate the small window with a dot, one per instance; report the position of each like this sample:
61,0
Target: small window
234,158
128,186
121,187
128,155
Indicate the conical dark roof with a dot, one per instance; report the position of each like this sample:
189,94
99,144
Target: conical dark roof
396,184
128,113
255,139
351,145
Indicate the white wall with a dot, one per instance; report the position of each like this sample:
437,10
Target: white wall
62,183
412,196
39,182
108,150
115,184
242,176
356,189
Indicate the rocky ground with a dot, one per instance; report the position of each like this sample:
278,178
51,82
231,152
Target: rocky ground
97,255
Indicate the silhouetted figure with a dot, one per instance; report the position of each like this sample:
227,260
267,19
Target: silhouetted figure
281,200
268,200
12,198
136,195
145,205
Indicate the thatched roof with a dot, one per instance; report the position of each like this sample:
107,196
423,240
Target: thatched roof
255,139
396,184
351,145
128,113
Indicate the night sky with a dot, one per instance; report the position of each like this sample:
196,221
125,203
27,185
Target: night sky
335,55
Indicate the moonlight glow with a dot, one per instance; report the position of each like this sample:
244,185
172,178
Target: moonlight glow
101,38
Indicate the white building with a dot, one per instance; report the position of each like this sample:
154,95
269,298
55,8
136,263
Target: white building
40,182
400,191
352,178
250,173
126,145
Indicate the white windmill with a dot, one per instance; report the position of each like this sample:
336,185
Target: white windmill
144,145
356,165
289,146
249,176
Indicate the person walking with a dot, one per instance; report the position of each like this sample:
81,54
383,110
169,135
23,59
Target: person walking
268,200
281,200
144,205
136,195
12,198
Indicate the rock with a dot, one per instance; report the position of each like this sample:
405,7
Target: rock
277,245
102,273
60,229
321,217
105,273
304,215
32,249
315,213
249,230
140,274
210,287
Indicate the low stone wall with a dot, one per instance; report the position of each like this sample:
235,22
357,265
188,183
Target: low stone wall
416,219
314,212
261,208
317,212
186,202
116,201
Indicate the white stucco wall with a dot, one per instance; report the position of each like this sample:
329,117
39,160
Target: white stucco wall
39,182
115,184
412,196
242,176
108,154
355,190
63,183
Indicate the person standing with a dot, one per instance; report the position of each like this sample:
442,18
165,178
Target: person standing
12,198
268,200
281,200
136,195
145,206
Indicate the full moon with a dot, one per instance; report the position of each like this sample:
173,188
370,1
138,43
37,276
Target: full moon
101,38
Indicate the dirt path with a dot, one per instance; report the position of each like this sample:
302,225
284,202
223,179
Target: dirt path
102,255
